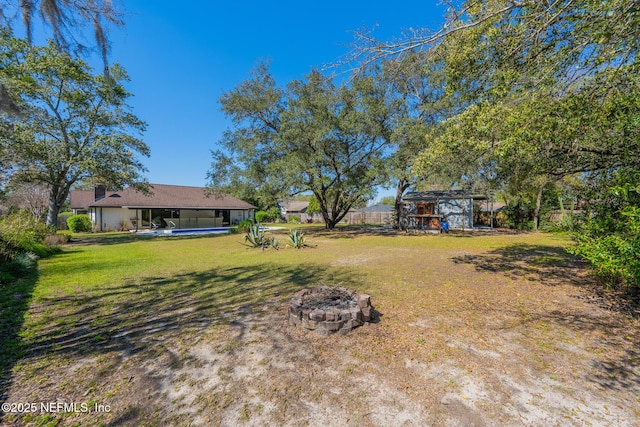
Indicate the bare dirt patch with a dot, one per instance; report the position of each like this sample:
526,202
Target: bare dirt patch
469,335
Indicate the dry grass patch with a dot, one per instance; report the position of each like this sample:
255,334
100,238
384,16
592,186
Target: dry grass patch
479,330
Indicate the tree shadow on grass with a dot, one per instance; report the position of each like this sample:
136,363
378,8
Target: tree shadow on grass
618,373
107,239
550,265
124,238
14,303
136,315
619,368
354,231
131,316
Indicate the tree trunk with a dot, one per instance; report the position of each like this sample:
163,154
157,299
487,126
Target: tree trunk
334,213
536,211
400,189
57,195
333,218
52,212
329,222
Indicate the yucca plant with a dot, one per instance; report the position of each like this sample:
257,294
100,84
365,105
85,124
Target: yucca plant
274,243
257,239
296,239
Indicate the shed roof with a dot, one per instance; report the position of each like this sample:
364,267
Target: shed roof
440,195
161,196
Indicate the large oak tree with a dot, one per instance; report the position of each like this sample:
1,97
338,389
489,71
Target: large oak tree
312,136
73,125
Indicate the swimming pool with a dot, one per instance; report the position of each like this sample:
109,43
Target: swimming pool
191,231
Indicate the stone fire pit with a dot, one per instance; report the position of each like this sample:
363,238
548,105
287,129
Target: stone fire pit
328,309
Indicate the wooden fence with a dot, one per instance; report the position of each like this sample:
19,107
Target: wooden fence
377,218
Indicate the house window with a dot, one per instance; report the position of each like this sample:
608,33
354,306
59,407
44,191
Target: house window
426,208
146,217
225,214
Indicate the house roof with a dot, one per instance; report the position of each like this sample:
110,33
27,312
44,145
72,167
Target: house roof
82,199
440,194
294,205
380,207
161,196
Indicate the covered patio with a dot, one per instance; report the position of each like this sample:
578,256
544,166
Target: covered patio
165,207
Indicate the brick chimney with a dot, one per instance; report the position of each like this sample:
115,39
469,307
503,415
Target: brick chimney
100,192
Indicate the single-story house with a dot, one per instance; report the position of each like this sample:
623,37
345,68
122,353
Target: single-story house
166,206
426,210
293,207
289,208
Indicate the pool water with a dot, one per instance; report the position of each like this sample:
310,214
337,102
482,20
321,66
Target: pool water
191,231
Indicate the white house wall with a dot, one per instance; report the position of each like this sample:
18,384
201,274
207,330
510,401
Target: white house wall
111,219
237,216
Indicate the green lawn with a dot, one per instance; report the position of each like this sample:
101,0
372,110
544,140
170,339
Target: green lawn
134,321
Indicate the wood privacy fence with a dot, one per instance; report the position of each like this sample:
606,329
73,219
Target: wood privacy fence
352,218
378,218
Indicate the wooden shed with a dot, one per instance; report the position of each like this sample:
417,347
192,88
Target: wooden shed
427,210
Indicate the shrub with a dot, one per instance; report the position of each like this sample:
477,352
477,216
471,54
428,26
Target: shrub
40,249
614,254
295,219
274,214
22,264
79,223
21,232
609,236
6,278
519,216
262,216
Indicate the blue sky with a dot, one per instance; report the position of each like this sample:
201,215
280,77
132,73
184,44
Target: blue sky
181,56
